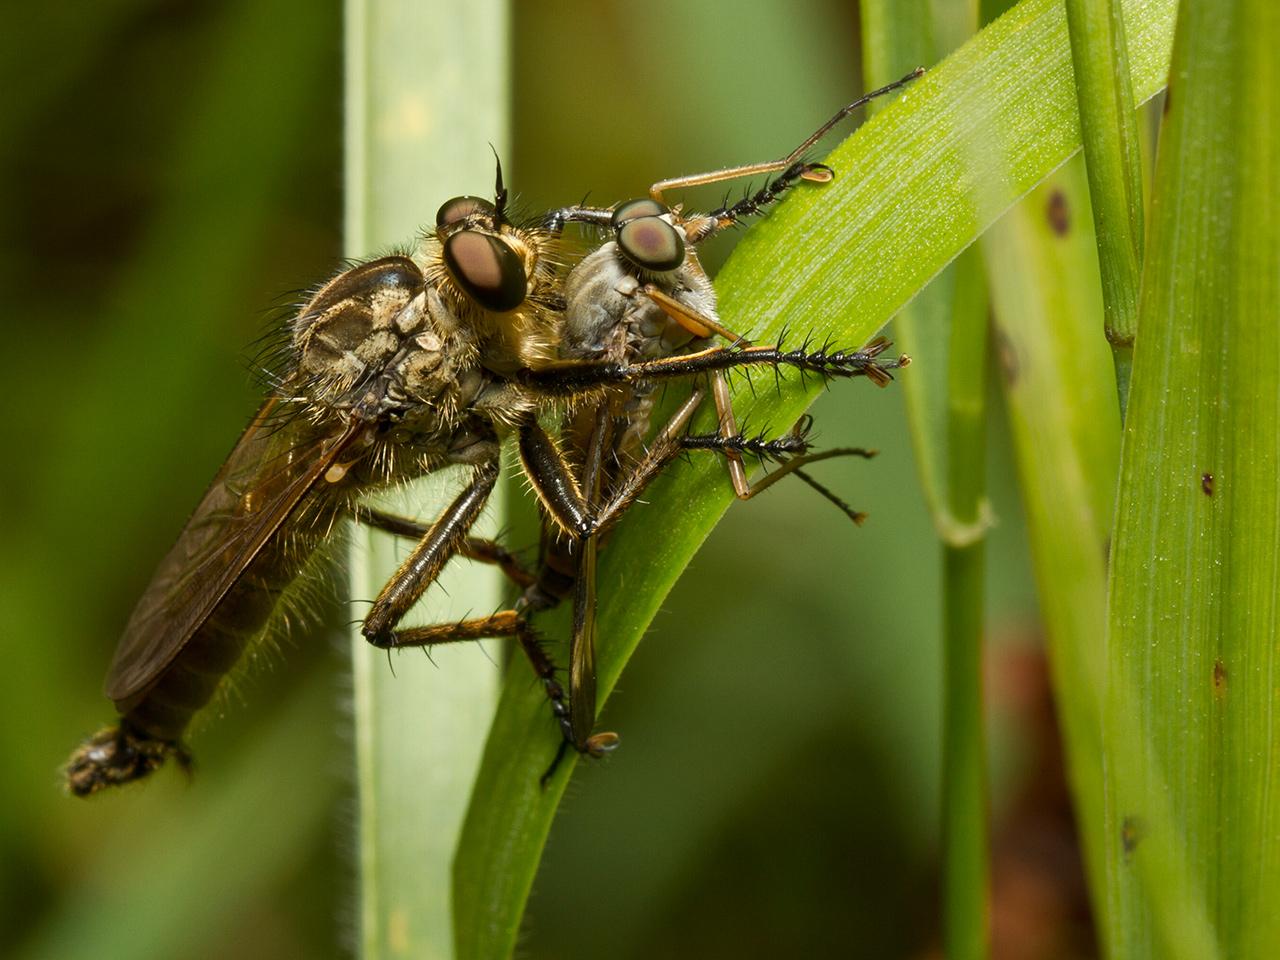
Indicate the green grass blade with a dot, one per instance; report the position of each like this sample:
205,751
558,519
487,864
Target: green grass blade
1058,384
1113,153
914,187
1191,729
420,116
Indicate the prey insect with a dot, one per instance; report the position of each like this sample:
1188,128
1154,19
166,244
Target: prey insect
642,294
395,368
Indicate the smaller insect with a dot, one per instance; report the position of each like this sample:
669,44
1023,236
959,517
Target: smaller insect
643,294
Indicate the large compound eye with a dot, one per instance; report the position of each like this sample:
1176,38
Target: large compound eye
487,269
459,208
651,244
634,209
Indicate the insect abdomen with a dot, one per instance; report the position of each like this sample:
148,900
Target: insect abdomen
165,709
153,721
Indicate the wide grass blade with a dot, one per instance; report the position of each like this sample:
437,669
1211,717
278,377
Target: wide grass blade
913,189
1191,725
420,117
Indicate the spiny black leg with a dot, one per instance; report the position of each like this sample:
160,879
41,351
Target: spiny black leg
566,377
790,451
773,191
759,446
429,557
575,510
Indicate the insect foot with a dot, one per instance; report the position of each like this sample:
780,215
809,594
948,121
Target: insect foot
115,756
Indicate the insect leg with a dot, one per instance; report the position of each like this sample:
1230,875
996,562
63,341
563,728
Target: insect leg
665,447
744,489
577,510
701,325
696,322
755,169
553,480
727,424
504,623
555,220
582,645
423,565
568,377
441,541
479,549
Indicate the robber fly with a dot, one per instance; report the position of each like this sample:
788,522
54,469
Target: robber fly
397,367
642,294
391,375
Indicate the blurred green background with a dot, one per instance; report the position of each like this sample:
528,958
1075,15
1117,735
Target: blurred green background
172,179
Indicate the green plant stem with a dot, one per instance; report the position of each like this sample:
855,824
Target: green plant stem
420,118
1113,155
964,792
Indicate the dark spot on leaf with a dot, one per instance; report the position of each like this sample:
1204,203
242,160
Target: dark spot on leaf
1008,356
1206,484
1168,98
1132,833
1059,213
1219,679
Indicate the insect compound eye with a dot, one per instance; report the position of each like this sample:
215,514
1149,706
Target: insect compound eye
651,244
634,209
460,208
490,272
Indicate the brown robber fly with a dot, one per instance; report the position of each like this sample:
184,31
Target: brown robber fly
396,368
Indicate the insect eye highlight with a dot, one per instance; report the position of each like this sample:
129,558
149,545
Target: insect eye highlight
634,209
458,209
487,269
651,244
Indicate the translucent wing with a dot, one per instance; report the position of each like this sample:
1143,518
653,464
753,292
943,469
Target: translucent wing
271,469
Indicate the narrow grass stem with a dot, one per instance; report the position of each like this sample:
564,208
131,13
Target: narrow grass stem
420,118
964,792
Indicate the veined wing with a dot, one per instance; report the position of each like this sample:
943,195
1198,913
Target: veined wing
271,469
